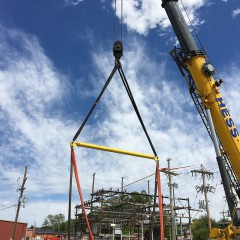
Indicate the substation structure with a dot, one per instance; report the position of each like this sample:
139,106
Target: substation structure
131,215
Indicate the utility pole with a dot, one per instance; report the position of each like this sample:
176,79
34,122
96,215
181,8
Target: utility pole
21,189
122,190
205,189
149,200
70,197
189,219
224,214
122,185
171,185
59,221
92,190
174,185
181,230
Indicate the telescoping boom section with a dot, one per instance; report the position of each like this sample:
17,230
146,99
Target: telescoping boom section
196,64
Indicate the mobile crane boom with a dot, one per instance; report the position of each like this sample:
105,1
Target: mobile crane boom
198,68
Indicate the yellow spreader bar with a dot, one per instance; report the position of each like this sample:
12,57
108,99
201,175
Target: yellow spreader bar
115,150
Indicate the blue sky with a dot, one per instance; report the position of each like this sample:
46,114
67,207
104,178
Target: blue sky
55,58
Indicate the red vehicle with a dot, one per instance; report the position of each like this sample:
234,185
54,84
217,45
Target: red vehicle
53,238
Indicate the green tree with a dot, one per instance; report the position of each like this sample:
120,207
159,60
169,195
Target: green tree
55,222
143,198
200,229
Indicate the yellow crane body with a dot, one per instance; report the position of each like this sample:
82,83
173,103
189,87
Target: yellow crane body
202,84
212,99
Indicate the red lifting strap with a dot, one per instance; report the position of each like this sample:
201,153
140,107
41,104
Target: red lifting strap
80,192
160,203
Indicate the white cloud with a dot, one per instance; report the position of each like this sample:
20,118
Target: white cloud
36,135
73,2
49,207
142,16
236,12
33,133
169,115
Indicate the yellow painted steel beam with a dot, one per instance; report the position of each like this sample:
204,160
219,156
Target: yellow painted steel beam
115,150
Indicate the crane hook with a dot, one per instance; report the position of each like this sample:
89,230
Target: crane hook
117,49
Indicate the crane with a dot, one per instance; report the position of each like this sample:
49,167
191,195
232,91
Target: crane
198,72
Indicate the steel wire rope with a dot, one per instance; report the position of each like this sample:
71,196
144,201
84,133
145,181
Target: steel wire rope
193,28
121,20
114,22
142,184
139,180
139,188
182,205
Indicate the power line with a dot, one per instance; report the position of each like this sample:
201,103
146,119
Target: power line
193,150
139,180
8,207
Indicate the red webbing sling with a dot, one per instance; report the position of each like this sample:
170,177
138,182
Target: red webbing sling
80,192
160,203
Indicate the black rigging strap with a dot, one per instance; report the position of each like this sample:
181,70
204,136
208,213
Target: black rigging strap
117,63
117,52
126,85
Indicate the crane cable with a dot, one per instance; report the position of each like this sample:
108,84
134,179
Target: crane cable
114,22
117,66
192,26
121,21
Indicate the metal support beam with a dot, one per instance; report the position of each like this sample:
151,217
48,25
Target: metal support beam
115,150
